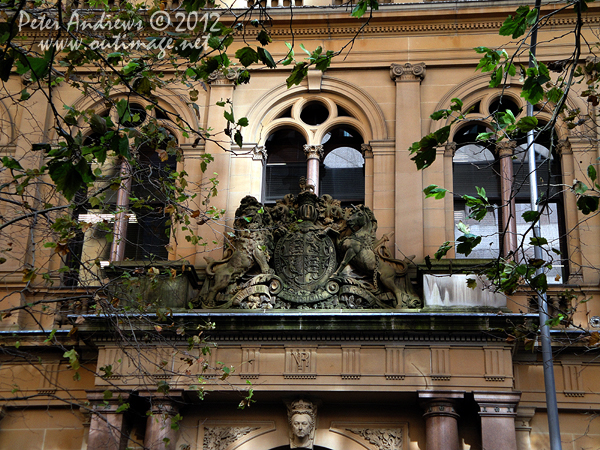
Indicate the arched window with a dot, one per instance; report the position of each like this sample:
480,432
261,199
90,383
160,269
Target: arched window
333,164
476,163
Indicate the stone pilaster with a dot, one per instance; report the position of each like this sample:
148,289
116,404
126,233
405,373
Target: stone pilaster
408,180
159,434
498,411
523,427
441,419
505,150
314,154
107,426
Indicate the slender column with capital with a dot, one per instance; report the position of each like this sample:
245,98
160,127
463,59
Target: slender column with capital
408,180
117,249
498,412
159,434
313,153
367,152
505,151
523,427
441,419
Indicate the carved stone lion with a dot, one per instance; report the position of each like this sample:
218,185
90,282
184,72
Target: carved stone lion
251,246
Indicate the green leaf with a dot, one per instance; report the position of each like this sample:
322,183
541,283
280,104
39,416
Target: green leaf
539,283
264,38
360,9
530,216
246,56
229,116
122,408
471,283
11,163
484,136
298,74
588,204
442,250
243,122
238,138
266,58
526,124
539,241
592,172
434,191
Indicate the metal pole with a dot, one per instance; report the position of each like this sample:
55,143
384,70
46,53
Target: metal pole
551,404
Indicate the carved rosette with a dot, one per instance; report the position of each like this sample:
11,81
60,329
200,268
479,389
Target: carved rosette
219,78
407,72
506,149
382,438
313,151
219,438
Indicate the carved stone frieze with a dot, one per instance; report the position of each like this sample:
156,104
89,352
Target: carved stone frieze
219,438
407,72
382,438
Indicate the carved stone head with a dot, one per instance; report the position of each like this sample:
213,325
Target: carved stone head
302,420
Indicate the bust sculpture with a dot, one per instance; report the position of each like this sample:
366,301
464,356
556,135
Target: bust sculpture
301,418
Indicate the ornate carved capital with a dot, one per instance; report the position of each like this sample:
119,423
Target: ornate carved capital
313,151
259,153
450,149
366,150
218,77
564,147
505,148
407,72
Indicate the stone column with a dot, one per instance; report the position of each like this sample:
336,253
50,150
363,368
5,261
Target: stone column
449,152
523,428
313,153
505,150
497,412
408,180
367,152
159,434
107,426
441,419
117,249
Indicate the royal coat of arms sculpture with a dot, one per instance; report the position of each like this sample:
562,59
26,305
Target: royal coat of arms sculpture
306,252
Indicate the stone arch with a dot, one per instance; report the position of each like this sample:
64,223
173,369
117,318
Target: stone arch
168,99
477,88
366,115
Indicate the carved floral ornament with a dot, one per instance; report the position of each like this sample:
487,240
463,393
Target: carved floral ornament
219,438
407,72
383,439
305,253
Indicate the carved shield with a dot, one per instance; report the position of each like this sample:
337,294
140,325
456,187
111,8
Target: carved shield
305,261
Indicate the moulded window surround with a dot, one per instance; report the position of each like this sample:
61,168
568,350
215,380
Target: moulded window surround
146,232
341,166
475,164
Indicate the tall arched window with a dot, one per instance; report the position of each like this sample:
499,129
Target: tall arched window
286,163
484,165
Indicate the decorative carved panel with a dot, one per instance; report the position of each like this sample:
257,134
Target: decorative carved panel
374,436
49,379
300,362
383,439
229,435
250,368
219,438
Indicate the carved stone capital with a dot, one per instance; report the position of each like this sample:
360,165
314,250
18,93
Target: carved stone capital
218,77
313,151
450,149
407,72
505,148
497,403
366,150
259,153
563,147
